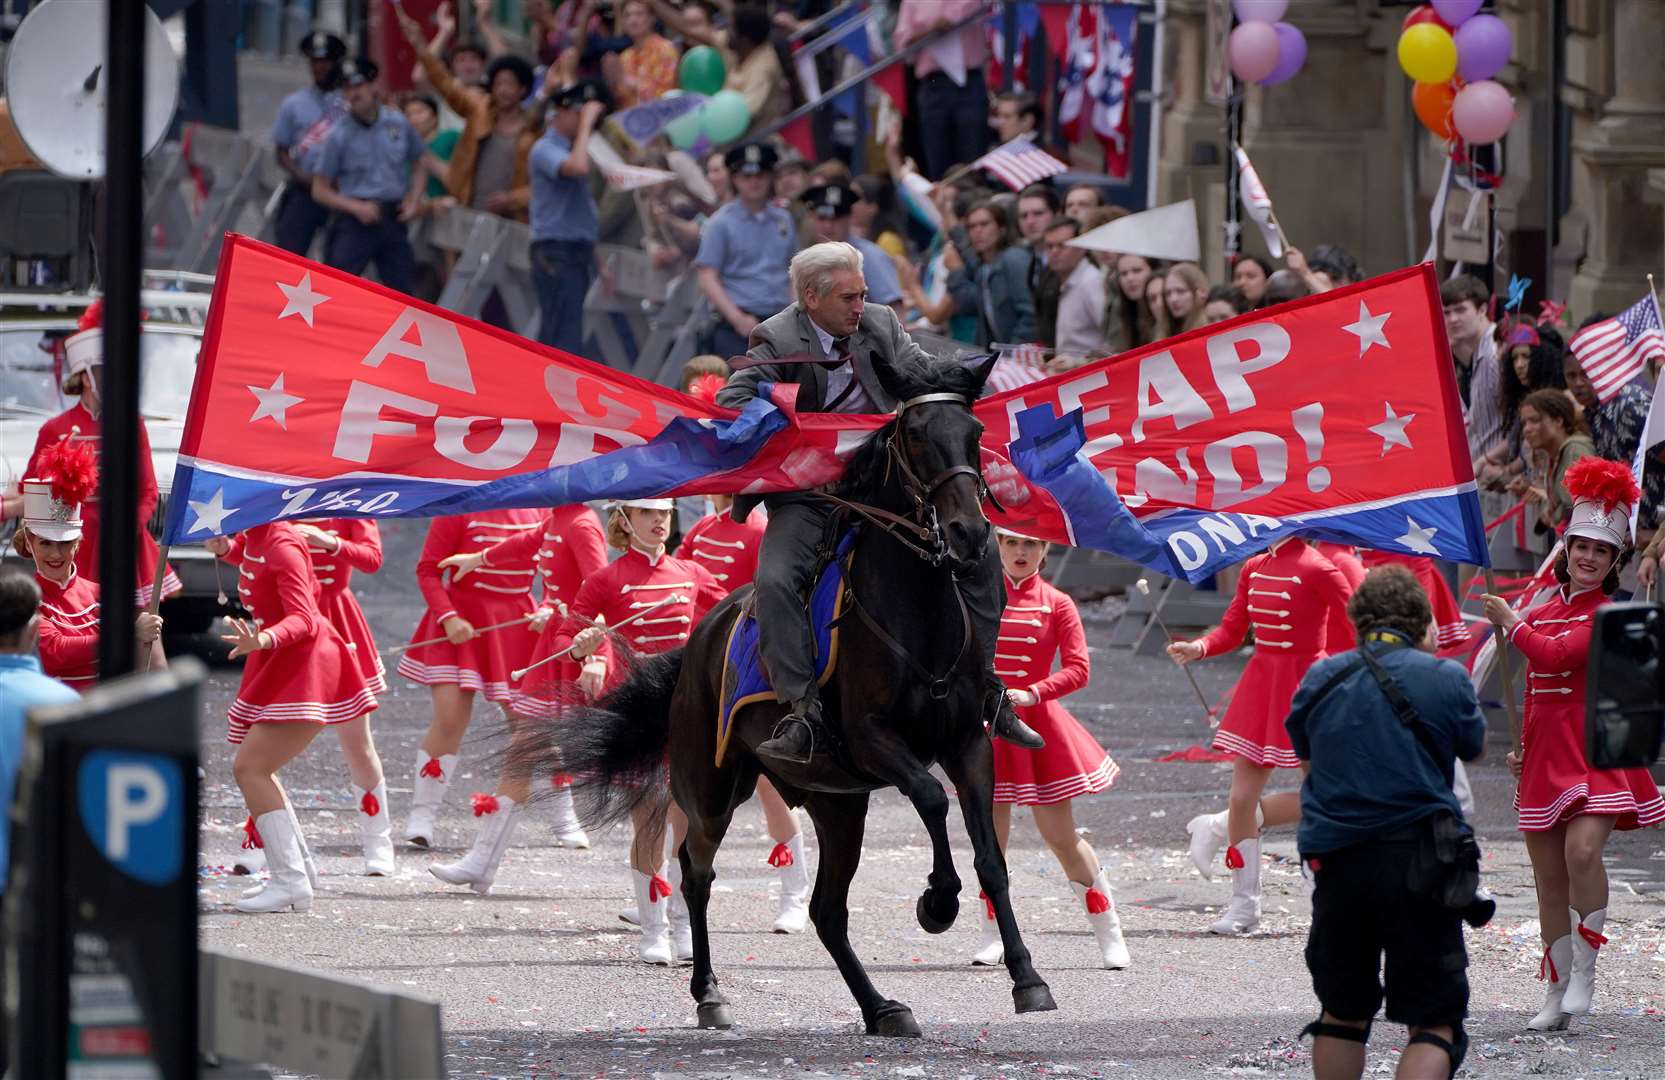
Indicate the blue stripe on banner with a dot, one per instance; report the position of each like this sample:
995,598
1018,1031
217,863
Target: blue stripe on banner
211,502
1193,544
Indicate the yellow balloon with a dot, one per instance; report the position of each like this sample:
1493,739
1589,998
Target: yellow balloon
1427,53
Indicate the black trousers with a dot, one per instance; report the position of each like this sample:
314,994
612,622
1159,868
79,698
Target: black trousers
786,563
351,245
298,219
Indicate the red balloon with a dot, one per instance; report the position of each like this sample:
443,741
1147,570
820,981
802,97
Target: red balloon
1423,14
1432,102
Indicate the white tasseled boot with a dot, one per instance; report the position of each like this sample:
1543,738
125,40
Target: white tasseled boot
682,928
1208,836
792,914
433,779
252,858
1243,913
288,888
478,868
653,903
991,950
569,831
375,830
307,863
1555,969
1586,941
1100,904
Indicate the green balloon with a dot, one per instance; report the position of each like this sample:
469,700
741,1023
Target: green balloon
726,117
702,70
685,130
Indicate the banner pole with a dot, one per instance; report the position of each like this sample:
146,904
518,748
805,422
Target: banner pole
1503,670
155,605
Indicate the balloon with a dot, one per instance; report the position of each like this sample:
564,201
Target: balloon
725,117
1292,53
702,70
685,130
1432,102
1253,49
1423,14
1266,11
1482,112
1428,54
1456,12
1483,47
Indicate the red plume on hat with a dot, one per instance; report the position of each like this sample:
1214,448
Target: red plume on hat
93,317
71,468
705,387
1604,481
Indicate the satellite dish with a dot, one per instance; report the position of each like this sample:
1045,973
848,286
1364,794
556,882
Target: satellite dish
56,82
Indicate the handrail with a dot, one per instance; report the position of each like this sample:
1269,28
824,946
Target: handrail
808,29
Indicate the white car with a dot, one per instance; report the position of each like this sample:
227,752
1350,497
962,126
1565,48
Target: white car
29,396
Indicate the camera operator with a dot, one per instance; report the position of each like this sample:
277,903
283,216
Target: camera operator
1377,730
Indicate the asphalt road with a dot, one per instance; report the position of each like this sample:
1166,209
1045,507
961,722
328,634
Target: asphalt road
540,979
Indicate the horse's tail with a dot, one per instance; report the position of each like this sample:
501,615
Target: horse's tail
613,750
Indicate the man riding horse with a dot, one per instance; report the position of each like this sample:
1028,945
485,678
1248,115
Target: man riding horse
829,343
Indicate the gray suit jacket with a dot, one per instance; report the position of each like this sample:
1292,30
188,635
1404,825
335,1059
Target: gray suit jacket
879,341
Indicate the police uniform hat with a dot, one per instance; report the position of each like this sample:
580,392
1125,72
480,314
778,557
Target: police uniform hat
832,200
319,45
362,70
751,159
582,93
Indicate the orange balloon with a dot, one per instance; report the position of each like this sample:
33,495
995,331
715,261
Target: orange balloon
1432,102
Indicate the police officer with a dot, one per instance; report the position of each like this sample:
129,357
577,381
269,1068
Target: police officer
366,174
564,224
303,120
745,251
830,206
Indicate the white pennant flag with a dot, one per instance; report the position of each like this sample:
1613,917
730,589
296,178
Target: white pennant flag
1258,203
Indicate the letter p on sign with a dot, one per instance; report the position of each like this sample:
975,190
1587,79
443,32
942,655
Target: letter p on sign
132,808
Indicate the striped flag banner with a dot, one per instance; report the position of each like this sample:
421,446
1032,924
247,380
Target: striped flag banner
1019,163
1613,352
1015,366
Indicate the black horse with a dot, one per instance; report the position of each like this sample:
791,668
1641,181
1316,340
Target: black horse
906,694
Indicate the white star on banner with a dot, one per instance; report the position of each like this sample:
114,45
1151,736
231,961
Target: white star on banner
1369,329
274,402
299,299
1392,430
1419,538
211,514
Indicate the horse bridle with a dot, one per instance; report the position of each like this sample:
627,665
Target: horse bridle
920,532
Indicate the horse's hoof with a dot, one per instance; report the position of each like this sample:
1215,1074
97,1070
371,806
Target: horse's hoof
931,923
715,1014
1035,998
894,1021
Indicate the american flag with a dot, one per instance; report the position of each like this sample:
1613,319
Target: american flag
1020,163
1015,366
1614,351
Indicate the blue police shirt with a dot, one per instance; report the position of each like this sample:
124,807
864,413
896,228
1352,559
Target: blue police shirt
1368,774
751,254
879,270
370,161
22,686
299,112
562,207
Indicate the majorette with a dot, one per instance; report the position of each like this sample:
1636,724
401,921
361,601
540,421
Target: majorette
1289,595
1567,807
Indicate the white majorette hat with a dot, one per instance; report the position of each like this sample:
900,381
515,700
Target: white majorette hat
46,515
85,348
645,504
1604,493
1001,530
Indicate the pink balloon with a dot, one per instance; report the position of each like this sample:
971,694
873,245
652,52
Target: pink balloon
1266,11
1482,112
1253,49
1292,53
1456,12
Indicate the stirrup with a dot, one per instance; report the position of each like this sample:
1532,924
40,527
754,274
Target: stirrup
782,732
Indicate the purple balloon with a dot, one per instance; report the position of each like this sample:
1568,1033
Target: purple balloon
1267,11
1483,47
1456,12
1292,53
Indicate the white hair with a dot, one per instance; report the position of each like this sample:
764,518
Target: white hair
814,266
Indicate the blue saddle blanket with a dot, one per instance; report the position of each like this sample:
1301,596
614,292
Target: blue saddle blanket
744,680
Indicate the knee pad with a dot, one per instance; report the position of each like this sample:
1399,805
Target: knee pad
1336,1031
1456,1049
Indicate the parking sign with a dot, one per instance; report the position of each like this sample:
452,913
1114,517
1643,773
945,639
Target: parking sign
131,807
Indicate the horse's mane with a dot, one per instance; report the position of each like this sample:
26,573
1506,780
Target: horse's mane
866,473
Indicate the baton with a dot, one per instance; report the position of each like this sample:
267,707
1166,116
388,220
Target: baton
676,598
1208,713
522,621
